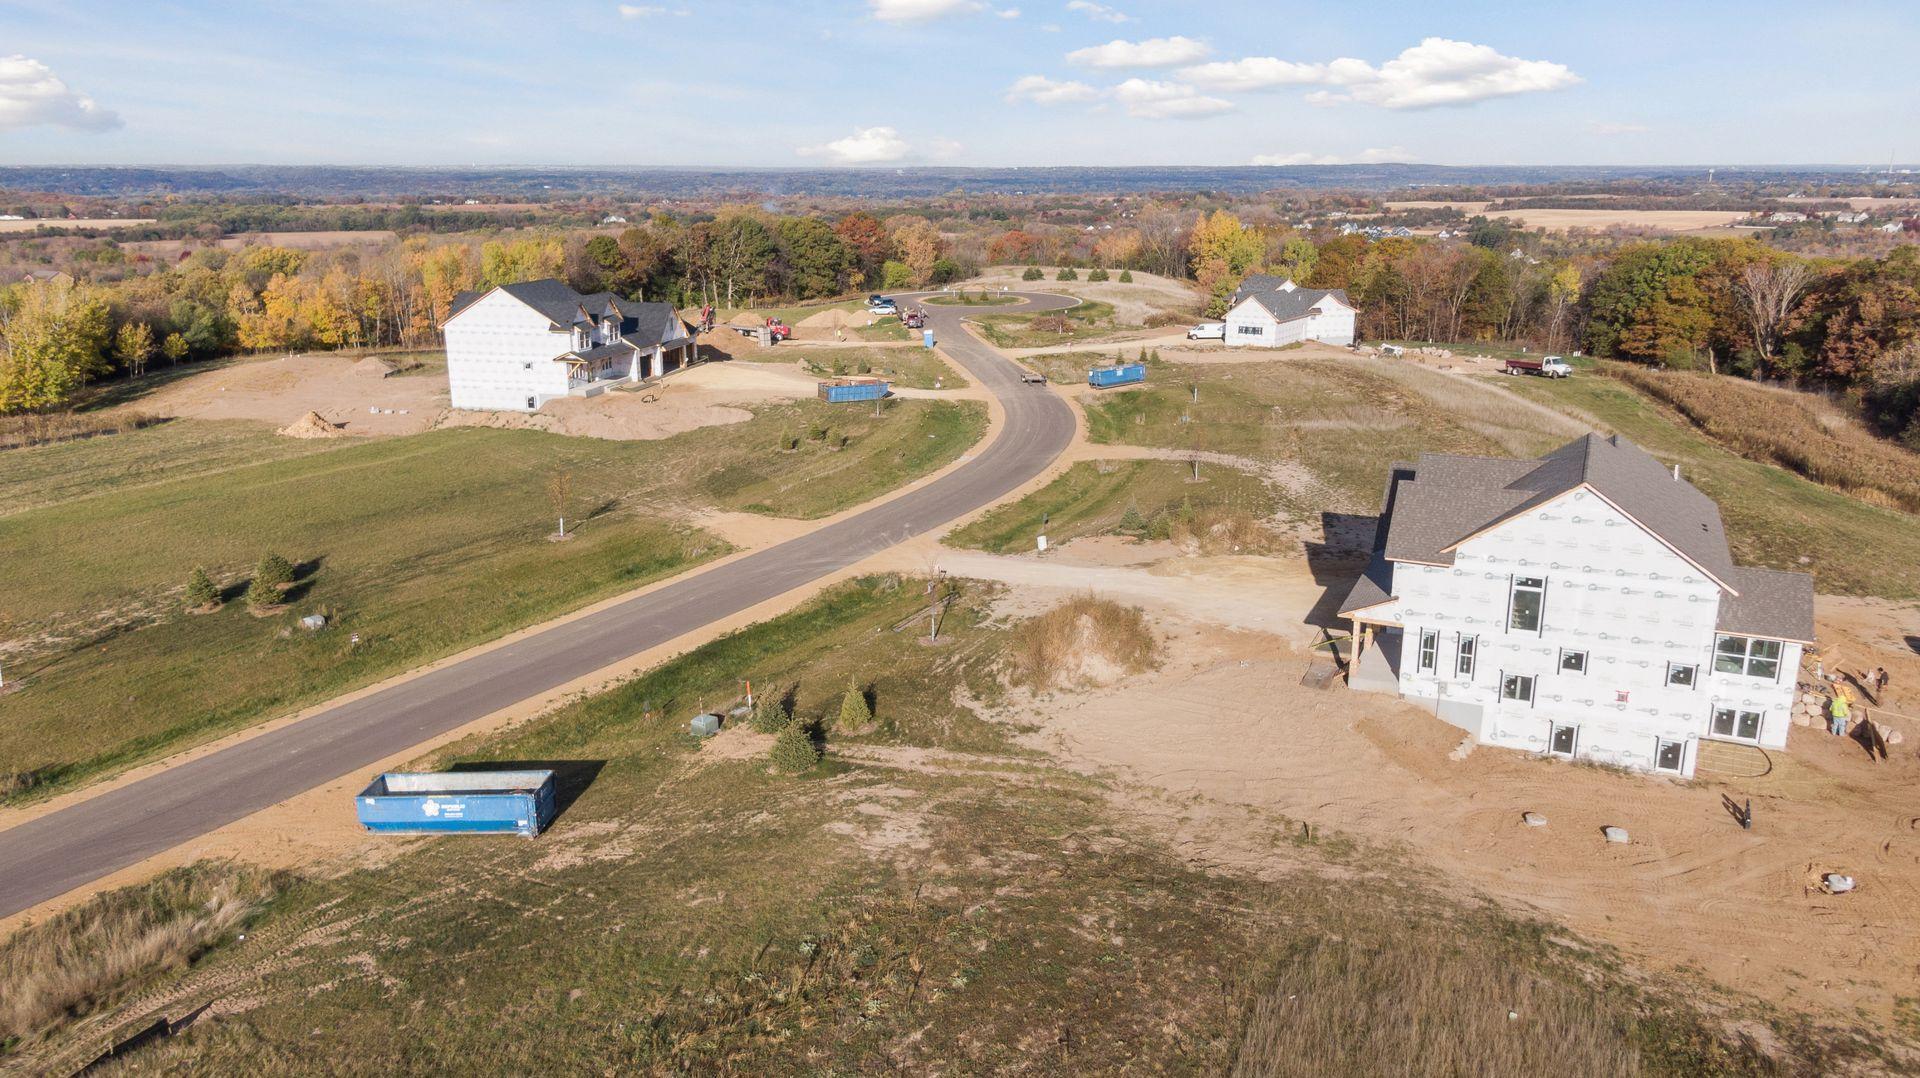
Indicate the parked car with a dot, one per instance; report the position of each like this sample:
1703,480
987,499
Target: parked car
877,298
1545,366
1208,331
913,319
885,306
1033,378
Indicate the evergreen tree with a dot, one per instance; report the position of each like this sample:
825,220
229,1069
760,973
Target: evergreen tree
794,751
1067,273
769,714
1133,522
854,713
1032,274
274,572
1097,275
200,590
1126,276
261,595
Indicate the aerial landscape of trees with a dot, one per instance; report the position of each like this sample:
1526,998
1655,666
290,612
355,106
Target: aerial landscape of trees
1734,305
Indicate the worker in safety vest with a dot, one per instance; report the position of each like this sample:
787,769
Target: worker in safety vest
1841,710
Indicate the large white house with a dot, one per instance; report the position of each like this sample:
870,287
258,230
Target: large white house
1583,604
1270,312
518,346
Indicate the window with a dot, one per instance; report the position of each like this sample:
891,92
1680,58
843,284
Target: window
1563,740
1517,687
1573,662
1744,655
1668,756
1429,651
1250,331
1681,676
1469,645
1744,725
1523,611
526,366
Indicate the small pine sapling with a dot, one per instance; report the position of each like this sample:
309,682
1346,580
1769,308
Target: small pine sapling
794,751
854,712
201,594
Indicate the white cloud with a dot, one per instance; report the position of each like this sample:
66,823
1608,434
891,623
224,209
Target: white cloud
873,146
944,149
1153,100
1610,128
1008,13
1364,157
1042,90
1098,12
917,10
31,95
1436,72
1153,52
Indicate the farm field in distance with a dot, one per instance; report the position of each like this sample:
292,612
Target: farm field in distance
422,545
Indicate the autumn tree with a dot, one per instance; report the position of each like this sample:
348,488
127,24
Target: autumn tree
133,346
917,245
1768,291
51,345
817,259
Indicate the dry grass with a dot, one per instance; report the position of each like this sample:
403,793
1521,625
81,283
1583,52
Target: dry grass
20,431
1085,639
1803,433
1422,1006
97,953
1221,530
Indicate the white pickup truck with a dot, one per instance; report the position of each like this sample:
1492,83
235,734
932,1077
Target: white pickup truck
1545,366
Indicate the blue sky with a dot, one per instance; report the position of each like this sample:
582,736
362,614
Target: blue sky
972,82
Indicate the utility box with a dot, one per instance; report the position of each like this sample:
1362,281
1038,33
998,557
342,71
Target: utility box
704,725
848,390
474,802
1124,375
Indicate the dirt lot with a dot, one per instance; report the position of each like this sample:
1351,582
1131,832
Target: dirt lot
84,222
1149,294
345,392
1225,737
1562,220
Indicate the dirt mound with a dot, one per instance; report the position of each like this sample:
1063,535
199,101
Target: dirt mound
1083,642
833,318
375,365
747,320
311,425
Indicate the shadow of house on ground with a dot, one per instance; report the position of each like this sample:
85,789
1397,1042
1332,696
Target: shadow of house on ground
1341,555
570,777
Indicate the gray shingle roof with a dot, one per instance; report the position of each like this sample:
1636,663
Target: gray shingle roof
1771,603
1374,587
1283,302
1447,499
643,324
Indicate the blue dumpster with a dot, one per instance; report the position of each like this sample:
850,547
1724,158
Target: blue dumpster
1124,375
483,802
844,390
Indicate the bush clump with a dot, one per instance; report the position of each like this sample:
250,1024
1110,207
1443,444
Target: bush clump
1098,274
1067,273
1084,640
1126,276
770,714
201,594
1032,274
794,751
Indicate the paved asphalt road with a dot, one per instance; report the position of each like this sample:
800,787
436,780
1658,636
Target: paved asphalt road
48,856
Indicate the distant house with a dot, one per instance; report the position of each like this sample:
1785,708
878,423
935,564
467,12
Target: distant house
613,219
1269,312
1583,604
48,276
515,347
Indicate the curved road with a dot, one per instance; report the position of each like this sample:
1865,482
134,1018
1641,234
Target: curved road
50,855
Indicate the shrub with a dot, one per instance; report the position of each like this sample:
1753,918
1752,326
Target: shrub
200,590
854,712
1133,522
1126,276
1067,273
1032,274
1083,639
275,572
770,715
794,751
262,595
1052,323
1097,275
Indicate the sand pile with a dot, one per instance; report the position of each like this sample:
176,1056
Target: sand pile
747,320
376,366
311,425
833,318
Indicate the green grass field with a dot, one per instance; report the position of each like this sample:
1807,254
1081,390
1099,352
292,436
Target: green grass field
1087,319
913,368
1095,497
178,449
928,899
982,298
423,546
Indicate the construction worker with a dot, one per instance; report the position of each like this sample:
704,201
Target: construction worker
1840,710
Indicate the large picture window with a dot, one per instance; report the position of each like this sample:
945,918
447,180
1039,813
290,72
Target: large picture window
1745,655
1523,612
1728,722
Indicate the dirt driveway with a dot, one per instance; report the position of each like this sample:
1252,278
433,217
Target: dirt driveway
351,392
